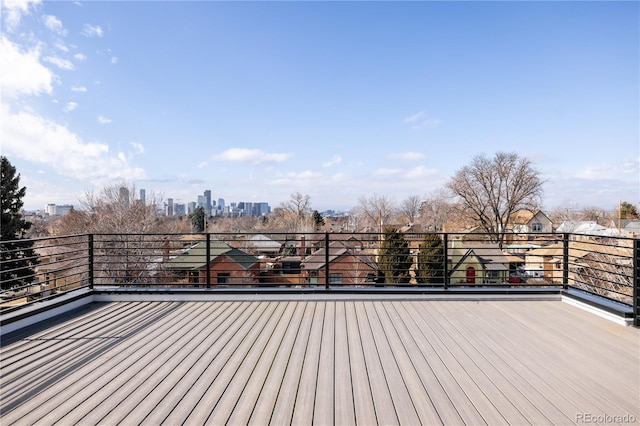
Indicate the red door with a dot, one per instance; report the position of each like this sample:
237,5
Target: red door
471,275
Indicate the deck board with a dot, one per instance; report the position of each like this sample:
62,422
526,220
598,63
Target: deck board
282,412
306,391
320,362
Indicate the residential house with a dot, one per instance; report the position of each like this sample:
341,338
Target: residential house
588,268
629,228
477,263
59,268
262,245
227,265
586,227
527,221
347,266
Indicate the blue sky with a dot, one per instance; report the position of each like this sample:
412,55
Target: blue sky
337,100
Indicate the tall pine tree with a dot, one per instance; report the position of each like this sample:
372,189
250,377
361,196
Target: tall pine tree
395,257
430,263
17,256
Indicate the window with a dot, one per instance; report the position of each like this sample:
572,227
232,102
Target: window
223,278
536,227
335,278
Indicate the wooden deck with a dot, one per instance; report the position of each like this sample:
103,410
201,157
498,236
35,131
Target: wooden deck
322,362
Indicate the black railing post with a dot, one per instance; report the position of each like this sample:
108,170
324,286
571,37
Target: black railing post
326,261
636,283
208,260
445,260
90,256
565,261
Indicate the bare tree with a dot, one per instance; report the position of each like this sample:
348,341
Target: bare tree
595,214
410,209
376,210
294,215
115,210
563,214
435,210
491,189
125,232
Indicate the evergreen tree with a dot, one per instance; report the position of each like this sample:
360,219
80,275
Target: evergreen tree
430,263
628,211
197,219
395,257
318,220
17,256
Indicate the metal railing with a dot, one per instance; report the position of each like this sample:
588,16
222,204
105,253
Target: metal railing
426,262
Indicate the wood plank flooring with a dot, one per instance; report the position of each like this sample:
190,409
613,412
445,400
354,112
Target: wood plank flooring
321,362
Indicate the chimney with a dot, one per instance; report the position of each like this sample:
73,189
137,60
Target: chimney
303,249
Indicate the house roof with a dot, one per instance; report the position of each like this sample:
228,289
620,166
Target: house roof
263,242
522,217
578,250
586,227
336,249
489,254
195,257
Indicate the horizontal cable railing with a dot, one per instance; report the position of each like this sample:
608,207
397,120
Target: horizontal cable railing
602,266
56,266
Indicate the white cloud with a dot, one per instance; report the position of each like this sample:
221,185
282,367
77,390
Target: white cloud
420,172
251,156
92,31
54,24
387,172
22,72
37,139
61,46
78,89
79,57
114,59
202,164
421,120
59,62
138,147
14,10
428,123
413,118
103,120
335,160
406,156
70,106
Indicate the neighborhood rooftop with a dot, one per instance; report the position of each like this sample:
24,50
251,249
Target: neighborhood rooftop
211,329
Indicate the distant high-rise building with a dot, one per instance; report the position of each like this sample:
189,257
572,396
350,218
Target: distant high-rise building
143,196
124,196
179,209
201,201
64,209
54,210
207,205
261,209
168,208
191,207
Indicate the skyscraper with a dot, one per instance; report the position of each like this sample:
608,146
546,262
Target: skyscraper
207,197
124,196
143,196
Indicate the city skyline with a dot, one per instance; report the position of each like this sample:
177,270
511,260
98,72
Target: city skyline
337,100
175,207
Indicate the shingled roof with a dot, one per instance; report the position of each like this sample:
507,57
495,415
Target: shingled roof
195,257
